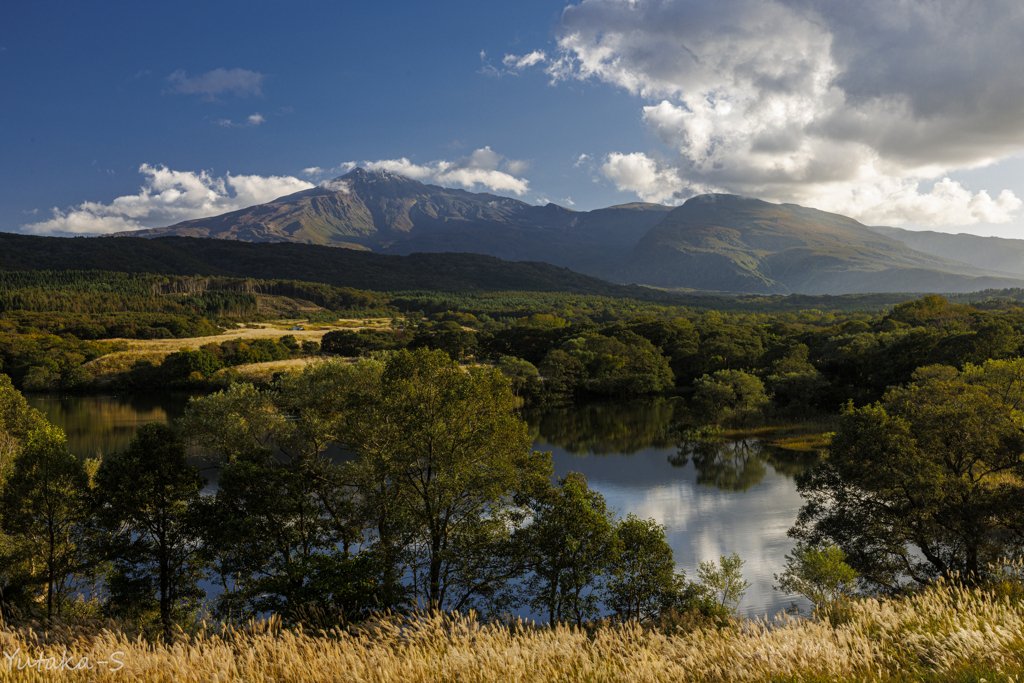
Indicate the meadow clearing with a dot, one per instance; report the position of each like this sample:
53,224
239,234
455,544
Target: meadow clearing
155,350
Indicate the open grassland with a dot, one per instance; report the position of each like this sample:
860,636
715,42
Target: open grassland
945,634
261,331
264,371
155,350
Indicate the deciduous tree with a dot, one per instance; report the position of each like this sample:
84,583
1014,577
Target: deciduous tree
925,482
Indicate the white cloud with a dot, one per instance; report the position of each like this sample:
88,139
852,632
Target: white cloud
638,173
836,105
168,197
569,201
250,122
582,160
336,185
239,82
516,62
483,167
891,201
317,172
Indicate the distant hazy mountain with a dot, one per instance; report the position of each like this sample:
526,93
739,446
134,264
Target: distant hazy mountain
730,243
719,243
986,252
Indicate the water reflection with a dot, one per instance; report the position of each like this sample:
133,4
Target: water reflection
96,425
604,428
714,497
737,465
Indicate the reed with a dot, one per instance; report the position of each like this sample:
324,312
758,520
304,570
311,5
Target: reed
946,633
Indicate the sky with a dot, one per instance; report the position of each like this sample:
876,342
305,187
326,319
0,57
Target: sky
120,116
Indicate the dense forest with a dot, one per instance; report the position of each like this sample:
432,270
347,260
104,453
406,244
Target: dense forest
553,346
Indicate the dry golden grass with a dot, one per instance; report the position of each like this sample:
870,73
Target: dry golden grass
154,350
266,370
947,633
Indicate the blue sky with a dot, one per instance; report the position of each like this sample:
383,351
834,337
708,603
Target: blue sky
128,115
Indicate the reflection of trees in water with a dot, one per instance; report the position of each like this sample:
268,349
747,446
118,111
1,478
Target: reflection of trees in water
95,425
737,465
604,428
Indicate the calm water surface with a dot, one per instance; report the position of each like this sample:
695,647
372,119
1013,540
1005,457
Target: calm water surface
714,499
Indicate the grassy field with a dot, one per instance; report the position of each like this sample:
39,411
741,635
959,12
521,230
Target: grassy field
154,350
947,633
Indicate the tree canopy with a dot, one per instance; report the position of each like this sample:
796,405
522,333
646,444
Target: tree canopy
927,481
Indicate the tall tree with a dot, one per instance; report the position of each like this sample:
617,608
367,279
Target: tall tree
282,524
442,448
45,507
642,577
573,542
149,494
17,420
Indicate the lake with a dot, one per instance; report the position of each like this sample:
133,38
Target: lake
713,498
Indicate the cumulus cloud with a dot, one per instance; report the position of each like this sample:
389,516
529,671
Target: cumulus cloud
636,172
168,197
238,82
864,107
483,167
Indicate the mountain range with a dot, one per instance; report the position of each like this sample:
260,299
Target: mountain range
714,242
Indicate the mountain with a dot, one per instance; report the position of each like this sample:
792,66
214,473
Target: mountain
389,213
986,252
730,243
717,242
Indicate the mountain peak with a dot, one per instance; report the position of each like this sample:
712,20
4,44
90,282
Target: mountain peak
360,173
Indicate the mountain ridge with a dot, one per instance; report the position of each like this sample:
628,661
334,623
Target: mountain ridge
724,241
711,242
